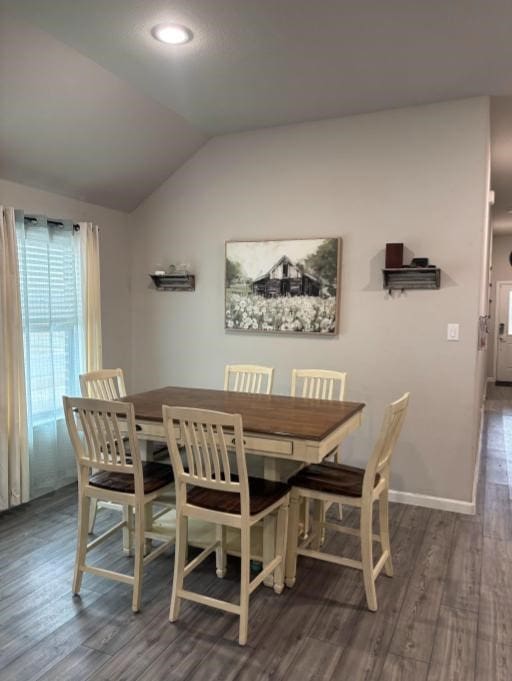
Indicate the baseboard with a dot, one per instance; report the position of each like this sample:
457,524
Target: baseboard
476,474
426,501
491,379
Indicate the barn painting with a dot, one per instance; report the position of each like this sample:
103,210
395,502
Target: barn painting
283,286
286,278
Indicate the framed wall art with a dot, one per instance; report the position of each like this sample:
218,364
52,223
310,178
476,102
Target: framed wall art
283,286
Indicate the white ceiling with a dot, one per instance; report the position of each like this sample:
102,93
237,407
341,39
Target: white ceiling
257,63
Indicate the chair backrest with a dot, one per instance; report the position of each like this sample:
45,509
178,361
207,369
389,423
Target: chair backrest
106,384
207,437
380,460
248,378
318,384
99,431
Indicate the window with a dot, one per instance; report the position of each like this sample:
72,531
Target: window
52,334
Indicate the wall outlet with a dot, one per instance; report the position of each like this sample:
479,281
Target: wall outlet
452,333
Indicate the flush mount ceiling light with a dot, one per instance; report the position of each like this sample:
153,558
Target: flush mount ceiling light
172,34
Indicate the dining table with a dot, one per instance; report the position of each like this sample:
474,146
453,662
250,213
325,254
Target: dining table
281,435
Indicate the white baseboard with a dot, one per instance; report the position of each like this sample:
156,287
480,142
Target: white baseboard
476,474
439,503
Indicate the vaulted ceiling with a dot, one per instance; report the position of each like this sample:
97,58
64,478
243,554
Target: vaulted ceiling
93,107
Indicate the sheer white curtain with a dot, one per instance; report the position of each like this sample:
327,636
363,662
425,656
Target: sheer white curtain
51,303
14,473
90,265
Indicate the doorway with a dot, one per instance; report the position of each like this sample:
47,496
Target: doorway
504,332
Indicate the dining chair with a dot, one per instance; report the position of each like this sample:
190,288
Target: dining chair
357,487
248,378
99,431
104,384
210,489
324,385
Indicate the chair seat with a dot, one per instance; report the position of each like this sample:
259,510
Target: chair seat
332,478
262,493
156,475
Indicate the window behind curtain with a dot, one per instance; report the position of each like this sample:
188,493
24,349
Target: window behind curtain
52,335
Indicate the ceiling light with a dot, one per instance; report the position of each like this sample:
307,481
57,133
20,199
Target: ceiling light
173,34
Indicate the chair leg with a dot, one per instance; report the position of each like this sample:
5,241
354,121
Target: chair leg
307,521
245,577
338,458
84,505
367,554
148,524
92,514
281,531
180,557
292,540
384,531
220,551
128,530
318,530
139,557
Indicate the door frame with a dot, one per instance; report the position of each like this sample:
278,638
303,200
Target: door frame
496,324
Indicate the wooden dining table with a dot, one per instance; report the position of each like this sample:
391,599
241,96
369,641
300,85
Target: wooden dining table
281,433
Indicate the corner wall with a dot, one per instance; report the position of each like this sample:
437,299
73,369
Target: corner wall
415,175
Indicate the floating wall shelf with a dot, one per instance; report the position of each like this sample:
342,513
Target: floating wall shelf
402,278
174,282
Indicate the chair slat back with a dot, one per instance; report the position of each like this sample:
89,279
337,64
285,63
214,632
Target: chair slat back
207,436
394,417
318,384
99,431
248,378
106,384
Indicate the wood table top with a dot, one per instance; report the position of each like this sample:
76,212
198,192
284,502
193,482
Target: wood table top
297,417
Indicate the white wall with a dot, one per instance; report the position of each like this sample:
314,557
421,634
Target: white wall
415,175
501,271
114,256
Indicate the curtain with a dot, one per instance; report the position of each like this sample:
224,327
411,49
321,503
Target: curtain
51,305
90,265
14,477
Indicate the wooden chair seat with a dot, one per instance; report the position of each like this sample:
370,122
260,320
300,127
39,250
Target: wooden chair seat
262,493
332,478
156,475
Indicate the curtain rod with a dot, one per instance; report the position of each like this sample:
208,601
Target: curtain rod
55,223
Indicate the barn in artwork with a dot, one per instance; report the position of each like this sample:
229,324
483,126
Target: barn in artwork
286,278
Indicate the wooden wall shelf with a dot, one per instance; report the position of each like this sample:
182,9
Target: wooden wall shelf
402,278
174,282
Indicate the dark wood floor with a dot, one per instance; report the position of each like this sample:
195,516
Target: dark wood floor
445,616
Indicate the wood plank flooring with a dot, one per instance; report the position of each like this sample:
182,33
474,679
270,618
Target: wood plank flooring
445,616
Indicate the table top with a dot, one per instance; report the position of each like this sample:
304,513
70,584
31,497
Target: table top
297,417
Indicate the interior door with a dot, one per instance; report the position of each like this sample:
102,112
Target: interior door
504,342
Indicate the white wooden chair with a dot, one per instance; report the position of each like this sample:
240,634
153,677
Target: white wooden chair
335,483
104,384
99,430
210,490
319,384
248,378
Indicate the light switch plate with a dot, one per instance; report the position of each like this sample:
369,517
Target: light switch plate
452,332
